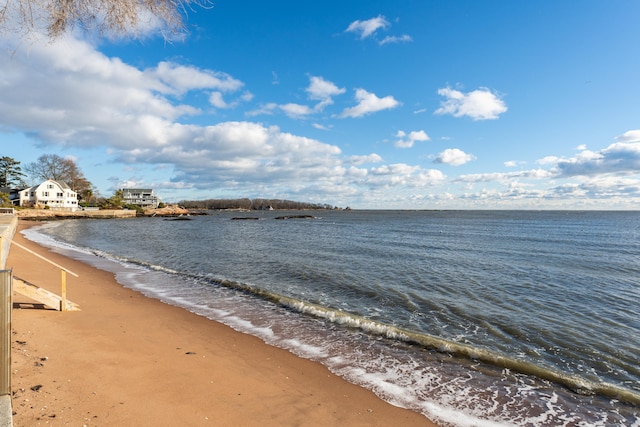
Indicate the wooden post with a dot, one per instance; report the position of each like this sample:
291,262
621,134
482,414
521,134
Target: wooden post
63,291
5,332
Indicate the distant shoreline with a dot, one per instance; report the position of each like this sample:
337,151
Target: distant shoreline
54,214
49,214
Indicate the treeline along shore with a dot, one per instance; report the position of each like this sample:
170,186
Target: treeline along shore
253,204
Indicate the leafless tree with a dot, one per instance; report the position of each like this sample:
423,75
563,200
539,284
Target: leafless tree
117,17
52,166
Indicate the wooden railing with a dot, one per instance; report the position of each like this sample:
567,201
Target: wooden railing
64,306
5,332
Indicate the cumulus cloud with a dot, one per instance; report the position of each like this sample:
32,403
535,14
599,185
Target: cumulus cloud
407,140
367,28
369,158
454,157
510,164
505,177
480,104
369,103
321,89
619,158
296,110
216,99
182,79
68,93
268,108
629,136
401,174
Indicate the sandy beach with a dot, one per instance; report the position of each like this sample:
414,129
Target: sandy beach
126,360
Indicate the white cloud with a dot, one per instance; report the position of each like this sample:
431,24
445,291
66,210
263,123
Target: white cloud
367,28
401,174
268,108
619,158
296,110
321,89
480,104
246,96
629,136
183,78
622,158
505,177
211,155
369,103
370,158
217,101
396,39
454,157
68,93
407,141
548,160
395,169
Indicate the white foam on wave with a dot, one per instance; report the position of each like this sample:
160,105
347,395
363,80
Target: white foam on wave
452,416
306,350
246,326
381,384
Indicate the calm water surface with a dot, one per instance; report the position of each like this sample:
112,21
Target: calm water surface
470,317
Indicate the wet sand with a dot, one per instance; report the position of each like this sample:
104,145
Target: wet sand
126,360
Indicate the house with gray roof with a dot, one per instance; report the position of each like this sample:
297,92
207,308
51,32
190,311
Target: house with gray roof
54,194
143,197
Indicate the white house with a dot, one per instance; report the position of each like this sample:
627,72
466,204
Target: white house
55,194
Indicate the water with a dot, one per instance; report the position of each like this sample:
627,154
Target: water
473,318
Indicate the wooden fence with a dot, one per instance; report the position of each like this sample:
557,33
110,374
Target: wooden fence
5,332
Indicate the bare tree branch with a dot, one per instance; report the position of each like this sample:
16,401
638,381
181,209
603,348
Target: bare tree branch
113,17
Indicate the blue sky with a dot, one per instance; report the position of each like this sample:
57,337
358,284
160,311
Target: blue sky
367,104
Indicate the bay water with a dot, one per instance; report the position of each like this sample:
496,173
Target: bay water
473,318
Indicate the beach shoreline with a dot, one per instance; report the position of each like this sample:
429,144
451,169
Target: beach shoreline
126,359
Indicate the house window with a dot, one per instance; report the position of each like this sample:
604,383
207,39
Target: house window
45,193
60,195
49,185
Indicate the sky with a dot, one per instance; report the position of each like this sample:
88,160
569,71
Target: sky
367,104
